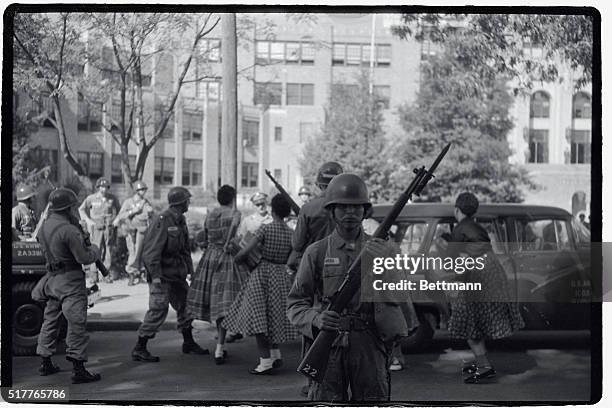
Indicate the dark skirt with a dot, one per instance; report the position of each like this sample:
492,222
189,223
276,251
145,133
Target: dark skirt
215,285
491,313
260,308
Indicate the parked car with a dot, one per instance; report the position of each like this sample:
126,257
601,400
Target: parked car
544,251
28,266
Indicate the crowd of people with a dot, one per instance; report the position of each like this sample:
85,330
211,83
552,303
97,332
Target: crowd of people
257,277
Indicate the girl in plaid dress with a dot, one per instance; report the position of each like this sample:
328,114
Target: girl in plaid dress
260,307
217,279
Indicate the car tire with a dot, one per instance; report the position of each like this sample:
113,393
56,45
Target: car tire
27,319
420,338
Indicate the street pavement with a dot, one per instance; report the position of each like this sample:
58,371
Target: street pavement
532,366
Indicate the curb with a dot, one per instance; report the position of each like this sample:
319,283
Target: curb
122,325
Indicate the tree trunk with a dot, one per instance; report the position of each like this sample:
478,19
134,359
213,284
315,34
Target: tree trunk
229,145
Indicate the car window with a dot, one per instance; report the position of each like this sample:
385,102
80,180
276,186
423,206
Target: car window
543,235
412,237
582,233
497,233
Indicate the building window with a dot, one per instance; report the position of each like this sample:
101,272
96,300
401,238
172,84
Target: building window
287,52
210,88
278,134
89,116
581,108
262,49
353,54
250,133
359,54
268,93
580,146
211,50
382,93
164,170
339,54
278,174
538,146
116,174
192,172
249,174
192,126
92,163
539,106
307,130
300,94
49,157
168,132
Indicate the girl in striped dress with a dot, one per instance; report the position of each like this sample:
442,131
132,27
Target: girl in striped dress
260,307
217,279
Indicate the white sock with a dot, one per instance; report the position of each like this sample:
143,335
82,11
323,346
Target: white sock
275,354
264,364
219,350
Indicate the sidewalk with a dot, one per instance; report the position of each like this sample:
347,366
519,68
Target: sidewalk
122,307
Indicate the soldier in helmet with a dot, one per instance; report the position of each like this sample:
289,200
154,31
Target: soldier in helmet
23,216
305,194
360,353
167,258
99,210
314,222
135,215
63,288
258,218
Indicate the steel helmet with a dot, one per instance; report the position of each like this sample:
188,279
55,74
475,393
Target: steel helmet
102,182
327,172
62,198
178,195
25,192
347,188
259,197
140,185
304,190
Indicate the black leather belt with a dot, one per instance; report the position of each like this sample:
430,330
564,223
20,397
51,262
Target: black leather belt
356,322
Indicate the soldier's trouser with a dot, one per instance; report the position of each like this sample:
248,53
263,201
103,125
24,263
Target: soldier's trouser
160,296
362,366
134,241
68,296
102,239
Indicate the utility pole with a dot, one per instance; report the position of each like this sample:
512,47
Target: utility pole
229,116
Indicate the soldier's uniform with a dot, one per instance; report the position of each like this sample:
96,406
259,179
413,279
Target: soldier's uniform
167,259
359,358
135,213
101,209
24,220
64,290
23,217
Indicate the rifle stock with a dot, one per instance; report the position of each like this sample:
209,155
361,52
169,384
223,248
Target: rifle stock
315,361
294,206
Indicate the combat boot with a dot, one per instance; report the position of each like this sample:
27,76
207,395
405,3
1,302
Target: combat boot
80,375
140,352
131,280
47,367
189,344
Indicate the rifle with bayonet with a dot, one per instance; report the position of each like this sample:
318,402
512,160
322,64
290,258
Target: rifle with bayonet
294,206
315,361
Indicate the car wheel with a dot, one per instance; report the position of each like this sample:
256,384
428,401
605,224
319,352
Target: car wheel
420,338
27,319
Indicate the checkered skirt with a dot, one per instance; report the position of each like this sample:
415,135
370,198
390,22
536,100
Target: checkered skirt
216,284
261,305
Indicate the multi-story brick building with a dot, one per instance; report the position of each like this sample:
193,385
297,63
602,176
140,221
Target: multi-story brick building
283,86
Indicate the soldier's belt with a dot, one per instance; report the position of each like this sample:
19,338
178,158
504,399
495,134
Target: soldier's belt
356,323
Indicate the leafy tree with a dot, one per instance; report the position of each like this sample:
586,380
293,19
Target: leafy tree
352,135
28,165
471,112
497,43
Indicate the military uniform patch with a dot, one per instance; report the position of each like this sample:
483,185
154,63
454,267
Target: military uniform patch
332,261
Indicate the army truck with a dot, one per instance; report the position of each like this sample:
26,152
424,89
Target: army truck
28,266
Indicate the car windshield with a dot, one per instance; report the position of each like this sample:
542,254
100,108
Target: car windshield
409,236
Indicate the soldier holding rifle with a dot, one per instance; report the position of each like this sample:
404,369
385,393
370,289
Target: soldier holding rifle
359,357
63,288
